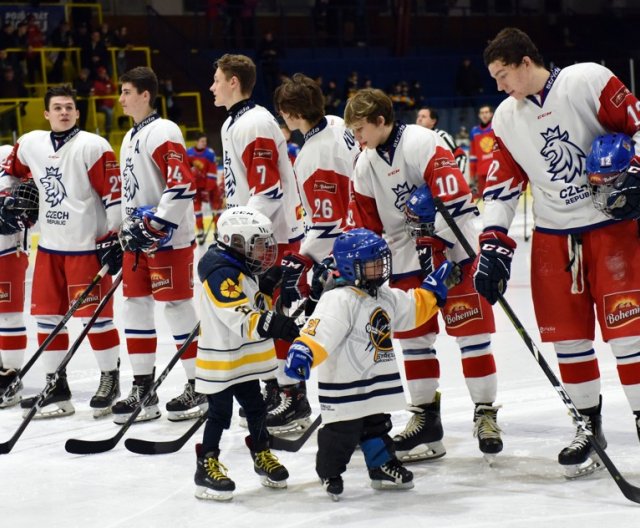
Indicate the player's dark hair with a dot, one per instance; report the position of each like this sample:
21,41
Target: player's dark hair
143,79
433,113
64,90
301,97
241,67
510,46
369,104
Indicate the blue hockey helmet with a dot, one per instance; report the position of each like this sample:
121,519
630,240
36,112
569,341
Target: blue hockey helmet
607,165
362,258
420,213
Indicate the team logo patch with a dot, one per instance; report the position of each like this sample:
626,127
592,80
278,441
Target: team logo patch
566,159
379,330
444,163
53,186
262,154
130,182
621,308
619,97
462,309
402,193
230,289
325,186
161,278
486,144
172,155
75,290
5,292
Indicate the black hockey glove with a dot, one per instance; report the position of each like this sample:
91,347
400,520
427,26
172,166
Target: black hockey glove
10,223
294,278
270,280
492,267
624,202
109,251
430,253
277,326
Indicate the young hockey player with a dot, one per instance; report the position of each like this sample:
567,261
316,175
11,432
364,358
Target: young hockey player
158,194
77,177
348,337
236,346
584,258
397,159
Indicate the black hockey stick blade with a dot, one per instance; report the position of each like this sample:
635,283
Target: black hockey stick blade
149,447
630,491
90,447
284,444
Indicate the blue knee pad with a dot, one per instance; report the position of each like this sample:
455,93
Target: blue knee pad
375,452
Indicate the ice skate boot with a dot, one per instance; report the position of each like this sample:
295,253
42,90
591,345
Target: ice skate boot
141,387
579,458
10,394
107,394
200,237
391,475
188,405
272,473
57,401
333,486
293,412
422,437
211,478
271,395
486,430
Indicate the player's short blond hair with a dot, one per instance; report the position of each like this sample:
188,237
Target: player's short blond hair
241,67
369,104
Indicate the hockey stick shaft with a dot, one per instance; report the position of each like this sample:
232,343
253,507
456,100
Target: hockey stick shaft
58,328
7,446
87,447
629,491
283,444
149,447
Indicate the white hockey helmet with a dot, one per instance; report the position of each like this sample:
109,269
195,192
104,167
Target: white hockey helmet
249,234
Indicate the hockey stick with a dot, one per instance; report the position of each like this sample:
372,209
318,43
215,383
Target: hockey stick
8,445
149,447
206,233
630,491
87,447
526,231
72,309
283,444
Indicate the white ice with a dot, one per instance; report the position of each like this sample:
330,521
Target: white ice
43,485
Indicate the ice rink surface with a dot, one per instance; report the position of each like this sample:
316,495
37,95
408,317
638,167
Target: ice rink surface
43,485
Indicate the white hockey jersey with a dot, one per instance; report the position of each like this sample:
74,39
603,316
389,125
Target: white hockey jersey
8,243
257,169
79,187
323,171
156,172
545,140
385,177
349,335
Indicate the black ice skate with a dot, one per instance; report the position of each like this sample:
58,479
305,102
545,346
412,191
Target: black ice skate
212,482
141,386
272,473
422,437
271,395
188,405
333,486
107,394
579,458
637,417
391,475
486,430
293,412
10,396
56,403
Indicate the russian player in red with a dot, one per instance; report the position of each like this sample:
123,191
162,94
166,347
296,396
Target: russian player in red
480,148
158,238
259,174
205,174
396,160
78,180
584,257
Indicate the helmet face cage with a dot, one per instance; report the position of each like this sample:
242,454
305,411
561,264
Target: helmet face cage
420,213
374,272
260,253
26,202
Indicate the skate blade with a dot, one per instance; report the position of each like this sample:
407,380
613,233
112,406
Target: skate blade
431,451
268,483
242,422
591,465
202,492
101,412
489,458
10,402
53,410
334,497
293,427
149,413
388,485
191,414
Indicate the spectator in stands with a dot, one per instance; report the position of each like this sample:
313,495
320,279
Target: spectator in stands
35,41
269,55
95,54
83,85
174,111
121,40
104,86
11,88
62,37
9,60
8,38
351,85
332,100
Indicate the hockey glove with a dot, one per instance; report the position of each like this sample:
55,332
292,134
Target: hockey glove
294,278
430,253
10,223
270,280
109,251
493,265
446,276
277,326
137,234
624,202
299,361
